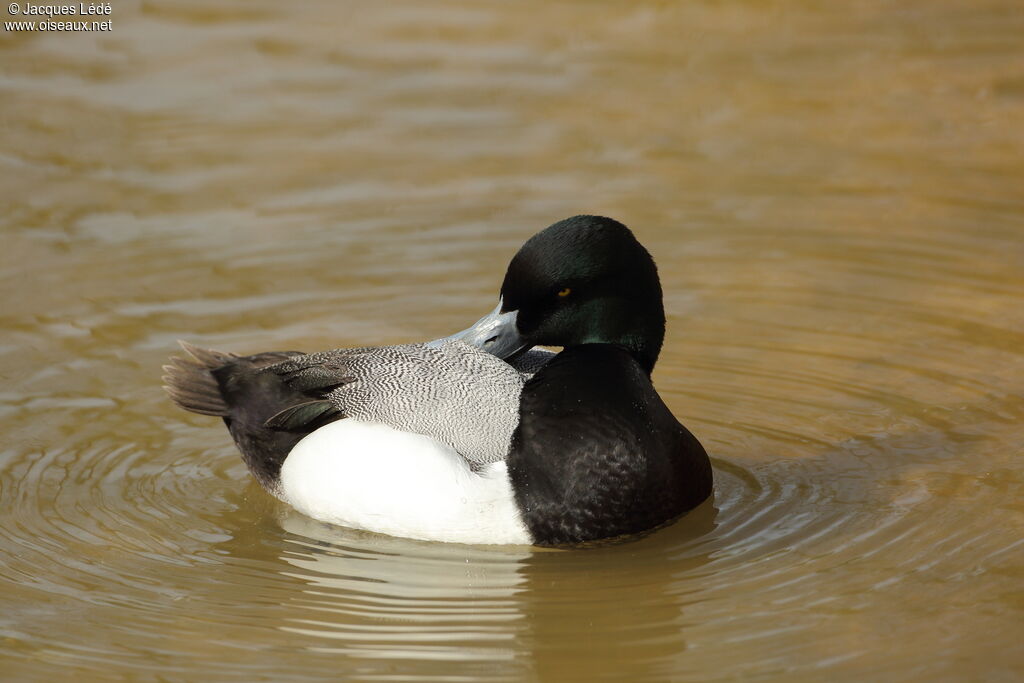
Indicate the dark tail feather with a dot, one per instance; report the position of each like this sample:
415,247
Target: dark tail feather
304,417
236,389
190,382
207,357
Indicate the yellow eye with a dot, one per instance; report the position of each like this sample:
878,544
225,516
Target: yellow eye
565,292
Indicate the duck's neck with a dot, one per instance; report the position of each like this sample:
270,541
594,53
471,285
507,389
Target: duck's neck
646,348
640,332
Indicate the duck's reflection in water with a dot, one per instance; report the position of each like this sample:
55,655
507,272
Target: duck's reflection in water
505,612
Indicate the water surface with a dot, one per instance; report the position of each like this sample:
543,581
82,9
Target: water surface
834,198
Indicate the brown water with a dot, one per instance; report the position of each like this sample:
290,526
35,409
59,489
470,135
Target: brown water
834,193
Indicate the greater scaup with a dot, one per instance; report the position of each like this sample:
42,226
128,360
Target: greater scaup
478,438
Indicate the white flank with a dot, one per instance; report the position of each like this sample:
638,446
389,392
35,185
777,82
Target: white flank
371,476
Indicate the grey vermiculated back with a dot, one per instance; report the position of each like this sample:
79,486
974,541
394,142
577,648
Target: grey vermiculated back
452,392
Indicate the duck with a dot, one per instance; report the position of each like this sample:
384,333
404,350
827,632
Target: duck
482,437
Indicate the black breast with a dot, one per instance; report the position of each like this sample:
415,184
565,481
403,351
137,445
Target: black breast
597,453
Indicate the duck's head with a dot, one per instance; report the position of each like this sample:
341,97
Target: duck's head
583,280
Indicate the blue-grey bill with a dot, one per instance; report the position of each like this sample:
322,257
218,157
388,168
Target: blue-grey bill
494,333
